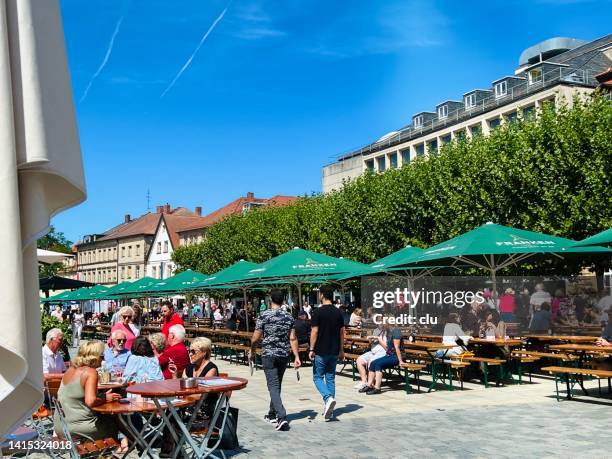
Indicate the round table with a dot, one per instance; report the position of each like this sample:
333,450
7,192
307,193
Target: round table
169,389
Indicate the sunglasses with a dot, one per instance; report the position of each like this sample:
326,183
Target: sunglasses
120,340
193,351
127,317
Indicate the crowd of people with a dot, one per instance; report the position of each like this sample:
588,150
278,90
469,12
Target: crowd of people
133,358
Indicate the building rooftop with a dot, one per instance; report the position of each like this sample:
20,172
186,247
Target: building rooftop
576,62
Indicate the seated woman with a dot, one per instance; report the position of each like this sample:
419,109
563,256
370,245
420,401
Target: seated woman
392,358
452,334
126,313
78,395
378,349
142,366
201,366
355,320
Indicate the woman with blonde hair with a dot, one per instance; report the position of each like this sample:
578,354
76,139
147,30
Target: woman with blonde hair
355,320
126,314
78,395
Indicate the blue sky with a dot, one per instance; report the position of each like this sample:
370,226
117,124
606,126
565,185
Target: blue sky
275,91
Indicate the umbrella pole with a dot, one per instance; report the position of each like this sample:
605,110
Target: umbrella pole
299,287
246,312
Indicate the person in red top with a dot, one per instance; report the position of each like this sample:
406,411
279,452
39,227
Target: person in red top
175,356
170,317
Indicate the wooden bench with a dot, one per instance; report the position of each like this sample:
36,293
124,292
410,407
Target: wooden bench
576,375
415,369
486,363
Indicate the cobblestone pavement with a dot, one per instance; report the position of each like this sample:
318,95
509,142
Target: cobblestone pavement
510,421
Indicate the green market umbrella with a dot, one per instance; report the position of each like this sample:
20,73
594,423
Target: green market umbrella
603,238
493,247
92,293
58,297
115,289
182,281
301,266
136,288
232,273
221,279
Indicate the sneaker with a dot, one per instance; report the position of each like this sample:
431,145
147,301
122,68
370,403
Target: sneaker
270,419
365,388
282,425
359,385
330,404
373,391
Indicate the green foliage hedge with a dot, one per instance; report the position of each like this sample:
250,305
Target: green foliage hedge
551,174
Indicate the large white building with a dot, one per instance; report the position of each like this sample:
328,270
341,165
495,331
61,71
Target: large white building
552,71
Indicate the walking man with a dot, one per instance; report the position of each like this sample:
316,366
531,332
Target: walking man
275,328
326,348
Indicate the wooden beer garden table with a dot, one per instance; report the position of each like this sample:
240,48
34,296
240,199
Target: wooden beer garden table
569,338
146,434
164,393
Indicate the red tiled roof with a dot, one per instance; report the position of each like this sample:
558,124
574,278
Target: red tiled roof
605,78
177,223
235,208
145,225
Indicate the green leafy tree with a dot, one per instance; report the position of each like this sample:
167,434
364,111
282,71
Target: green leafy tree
550,174
56,242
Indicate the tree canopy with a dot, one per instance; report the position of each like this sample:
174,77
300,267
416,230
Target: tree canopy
549,174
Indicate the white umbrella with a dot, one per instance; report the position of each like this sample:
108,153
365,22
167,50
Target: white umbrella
41,174
50,257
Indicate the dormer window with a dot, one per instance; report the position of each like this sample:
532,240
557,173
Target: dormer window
470,101
501,89
443,112
535,76
418,121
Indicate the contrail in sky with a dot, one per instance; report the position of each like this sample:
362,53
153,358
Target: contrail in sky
188,63
106,57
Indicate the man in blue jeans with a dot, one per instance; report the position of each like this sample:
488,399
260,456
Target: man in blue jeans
326,347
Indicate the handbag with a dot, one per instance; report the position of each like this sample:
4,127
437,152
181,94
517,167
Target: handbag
229,434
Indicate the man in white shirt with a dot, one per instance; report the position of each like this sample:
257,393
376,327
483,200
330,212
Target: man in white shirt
57,313
53,362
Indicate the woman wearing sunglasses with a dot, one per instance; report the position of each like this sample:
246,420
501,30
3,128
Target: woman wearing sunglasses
126,314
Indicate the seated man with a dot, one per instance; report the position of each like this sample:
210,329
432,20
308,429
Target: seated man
302,328
116,356
53,362
175,352
378,349
392,358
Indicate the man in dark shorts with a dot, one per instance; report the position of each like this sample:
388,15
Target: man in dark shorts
277,329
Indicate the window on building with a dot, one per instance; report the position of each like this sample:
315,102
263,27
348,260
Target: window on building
511,117
393,160
129,272
420,149
476,130
548,104
494,123
137,272
418,121
137,250
446,139
528,112
432,147
501,89
123,272
405,156
154,272
159,247
460,135
470,101
535,75
123,252
381,163
129,250
165,246
370,165
442,112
